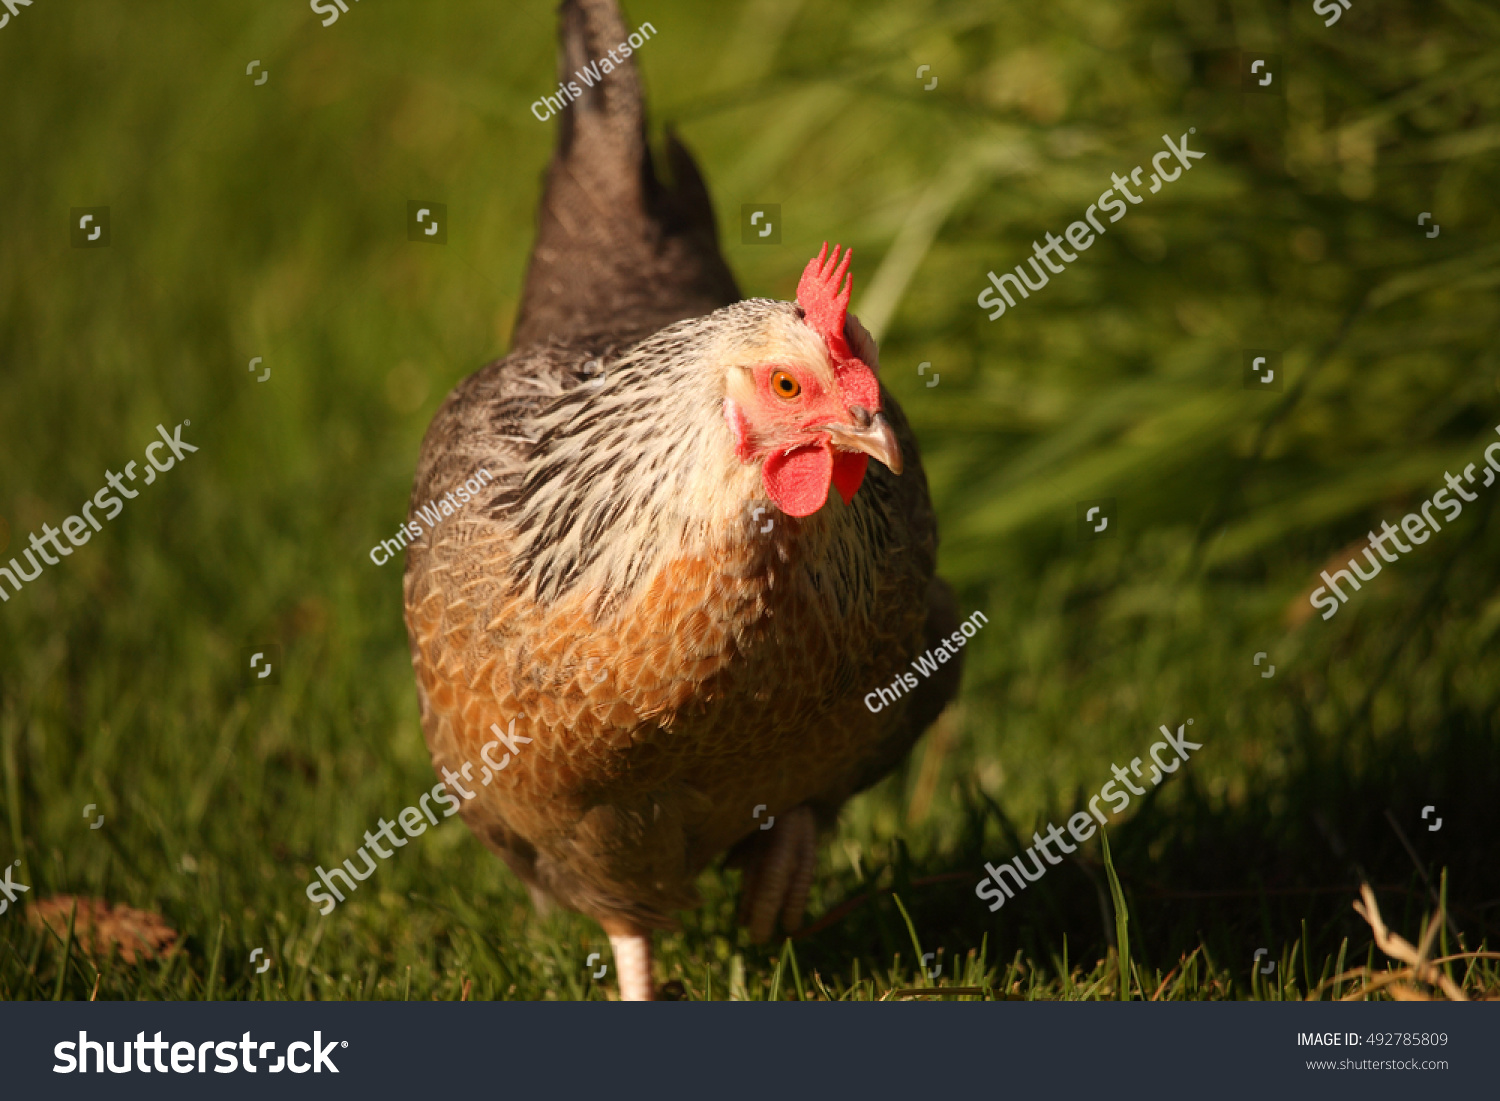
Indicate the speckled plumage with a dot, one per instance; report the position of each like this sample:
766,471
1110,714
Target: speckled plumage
613,594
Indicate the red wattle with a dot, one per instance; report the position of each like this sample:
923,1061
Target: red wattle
798,480
848,473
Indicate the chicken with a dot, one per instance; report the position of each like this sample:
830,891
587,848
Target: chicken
650,627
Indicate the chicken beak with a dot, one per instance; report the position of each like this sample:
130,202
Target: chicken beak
871,434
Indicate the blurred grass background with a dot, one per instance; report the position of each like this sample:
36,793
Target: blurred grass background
270,221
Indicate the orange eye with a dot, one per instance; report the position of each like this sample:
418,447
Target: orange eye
785,386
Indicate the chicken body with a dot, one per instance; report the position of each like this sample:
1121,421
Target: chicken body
629,659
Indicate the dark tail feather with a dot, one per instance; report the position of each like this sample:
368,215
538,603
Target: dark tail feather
617,252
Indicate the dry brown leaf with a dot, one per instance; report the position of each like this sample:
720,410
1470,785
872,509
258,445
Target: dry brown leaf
100,928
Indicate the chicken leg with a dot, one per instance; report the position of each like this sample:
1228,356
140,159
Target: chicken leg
780,875
632,950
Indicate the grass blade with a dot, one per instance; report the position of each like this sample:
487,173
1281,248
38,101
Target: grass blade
916,945
1122,918
775,995
791,956
67,954
213,964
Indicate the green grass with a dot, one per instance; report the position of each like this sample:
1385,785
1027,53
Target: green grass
268,221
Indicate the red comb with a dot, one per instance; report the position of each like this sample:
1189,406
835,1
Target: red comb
824,302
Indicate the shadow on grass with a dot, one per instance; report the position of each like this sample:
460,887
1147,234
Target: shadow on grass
1280,866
